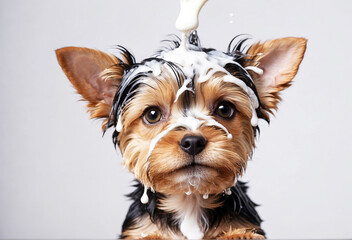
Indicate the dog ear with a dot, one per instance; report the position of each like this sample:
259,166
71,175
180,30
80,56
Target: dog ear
84,68
279,59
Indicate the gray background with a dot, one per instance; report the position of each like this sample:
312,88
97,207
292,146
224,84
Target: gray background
60,179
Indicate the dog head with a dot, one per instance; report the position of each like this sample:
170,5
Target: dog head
185,121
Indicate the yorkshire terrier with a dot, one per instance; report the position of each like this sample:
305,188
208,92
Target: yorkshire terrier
186,126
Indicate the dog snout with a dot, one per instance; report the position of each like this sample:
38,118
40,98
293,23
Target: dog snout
193,145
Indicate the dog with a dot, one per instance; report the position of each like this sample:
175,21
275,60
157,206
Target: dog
186,124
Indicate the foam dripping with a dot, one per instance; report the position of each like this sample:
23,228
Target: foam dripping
187,20
228,191
145,198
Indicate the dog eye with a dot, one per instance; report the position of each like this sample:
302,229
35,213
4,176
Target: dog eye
225,110
152,115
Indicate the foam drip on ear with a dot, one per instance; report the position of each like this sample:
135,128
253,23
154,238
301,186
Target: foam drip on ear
145,198
255,69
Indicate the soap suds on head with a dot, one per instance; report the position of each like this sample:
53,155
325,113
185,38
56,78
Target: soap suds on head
201,66
184,88
194,61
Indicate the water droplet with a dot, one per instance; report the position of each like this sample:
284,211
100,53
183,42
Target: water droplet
192,182
228,191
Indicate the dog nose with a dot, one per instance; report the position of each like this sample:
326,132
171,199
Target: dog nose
193,144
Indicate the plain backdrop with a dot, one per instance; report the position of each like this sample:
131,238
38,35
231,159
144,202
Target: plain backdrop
60,179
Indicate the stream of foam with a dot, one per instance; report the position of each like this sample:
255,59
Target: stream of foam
187,20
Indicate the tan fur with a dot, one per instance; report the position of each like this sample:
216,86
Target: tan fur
145,229
241,233
263,55
225,159
83,67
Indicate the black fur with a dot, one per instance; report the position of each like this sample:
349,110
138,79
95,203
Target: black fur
235,206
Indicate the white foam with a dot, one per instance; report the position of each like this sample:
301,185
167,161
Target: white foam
158,138
228,191
190,228
144,198
189,122
189,192
255,69
155,66
212,122
188,17
183,89
118,126
254,119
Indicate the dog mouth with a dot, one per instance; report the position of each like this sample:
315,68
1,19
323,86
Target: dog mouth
193,168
